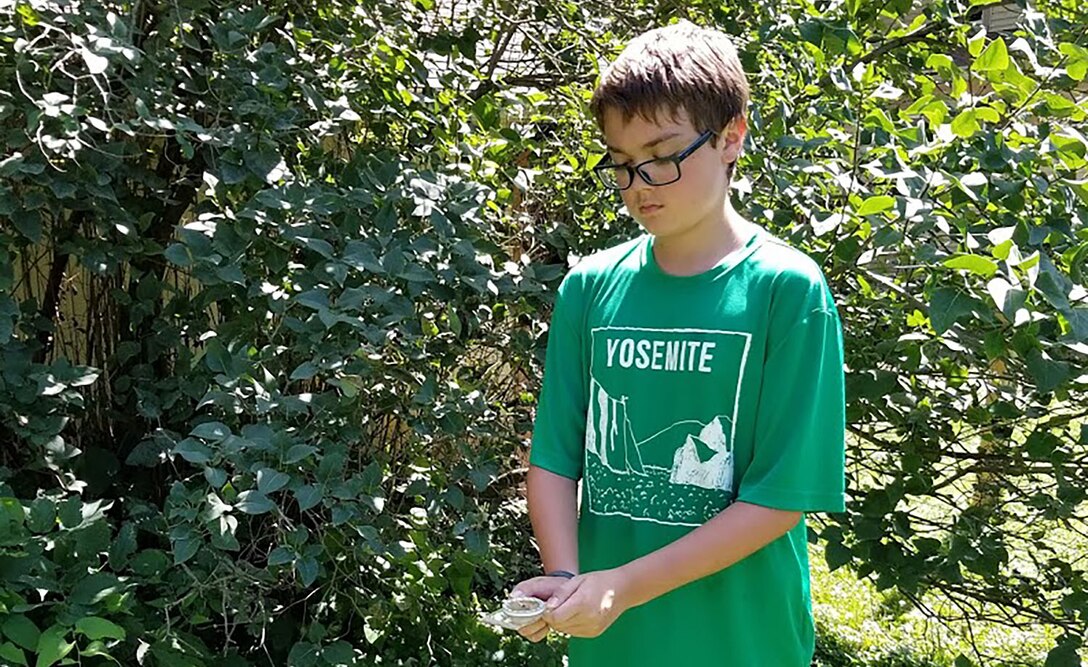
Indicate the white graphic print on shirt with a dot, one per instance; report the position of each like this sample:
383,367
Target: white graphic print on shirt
644,457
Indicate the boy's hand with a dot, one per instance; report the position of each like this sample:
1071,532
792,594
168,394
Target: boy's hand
542,588
587,605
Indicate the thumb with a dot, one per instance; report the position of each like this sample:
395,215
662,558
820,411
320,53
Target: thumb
563,593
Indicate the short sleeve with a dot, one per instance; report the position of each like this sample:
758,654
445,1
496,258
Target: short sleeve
799,457
559,429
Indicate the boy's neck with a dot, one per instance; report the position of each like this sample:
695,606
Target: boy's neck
701,248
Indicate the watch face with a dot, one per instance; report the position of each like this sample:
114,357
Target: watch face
515,613
523,607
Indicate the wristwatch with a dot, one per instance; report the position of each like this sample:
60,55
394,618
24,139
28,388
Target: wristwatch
561,573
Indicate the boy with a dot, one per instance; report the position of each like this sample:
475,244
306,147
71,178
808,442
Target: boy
694,384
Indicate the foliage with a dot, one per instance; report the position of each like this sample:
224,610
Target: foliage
274,284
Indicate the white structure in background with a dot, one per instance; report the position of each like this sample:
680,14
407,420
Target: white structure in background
1001,17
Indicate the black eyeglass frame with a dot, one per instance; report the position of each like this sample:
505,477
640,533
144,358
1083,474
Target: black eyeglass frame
676,159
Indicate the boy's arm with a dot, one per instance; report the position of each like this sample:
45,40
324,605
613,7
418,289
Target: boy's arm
553,511
732,535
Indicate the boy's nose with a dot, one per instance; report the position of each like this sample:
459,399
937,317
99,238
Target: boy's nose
638,184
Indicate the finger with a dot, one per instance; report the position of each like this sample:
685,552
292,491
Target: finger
567,628
563,593
533,628
541,634
566,604
567,614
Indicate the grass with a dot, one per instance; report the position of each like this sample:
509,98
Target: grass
859,626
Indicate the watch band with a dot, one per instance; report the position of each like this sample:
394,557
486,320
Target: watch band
561,573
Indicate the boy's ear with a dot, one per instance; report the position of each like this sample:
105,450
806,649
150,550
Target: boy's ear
732,138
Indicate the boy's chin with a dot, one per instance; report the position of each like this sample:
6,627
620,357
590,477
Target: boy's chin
659,228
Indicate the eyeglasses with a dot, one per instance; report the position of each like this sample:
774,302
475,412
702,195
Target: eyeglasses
657,171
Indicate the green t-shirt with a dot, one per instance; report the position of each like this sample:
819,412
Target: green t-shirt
670,397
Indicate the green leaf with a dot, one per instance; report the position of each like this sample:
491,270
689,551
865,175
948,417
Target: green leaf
1054,284
305,371
29,224
216,477
1047,373
12,654
477,542
179,253
1077,70
1003,250
876,204
836,554
947,307
94,588
307,570
298,452
266,164
254,502
71,512
185,548
212,431
303,654
1077,319
994,59
936,111
318,299
97,648
976,264
150,563
939,62
12,514
976,42
99,628
988,114
124,545
53,646
280,556
1065,654
338,653
218,359
1076,64
193,451
307,496
320,246
270,481
43,516
22,631
1041,444
965,124
1007,297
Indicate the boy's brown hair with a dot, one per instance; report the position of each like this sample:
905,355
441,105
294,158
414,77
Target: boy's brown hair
680,67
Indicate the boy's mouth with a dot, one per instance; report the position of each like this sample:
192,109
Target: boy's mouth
648,208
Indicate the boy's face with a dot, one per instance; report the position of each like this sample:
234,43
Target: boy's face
698,197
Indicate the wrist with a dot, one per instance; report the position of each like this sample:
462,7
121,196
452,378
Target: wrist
566,574
627,584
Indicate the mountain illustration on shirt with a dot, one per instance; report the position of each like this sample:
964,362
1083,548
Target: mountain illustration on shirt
681,474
